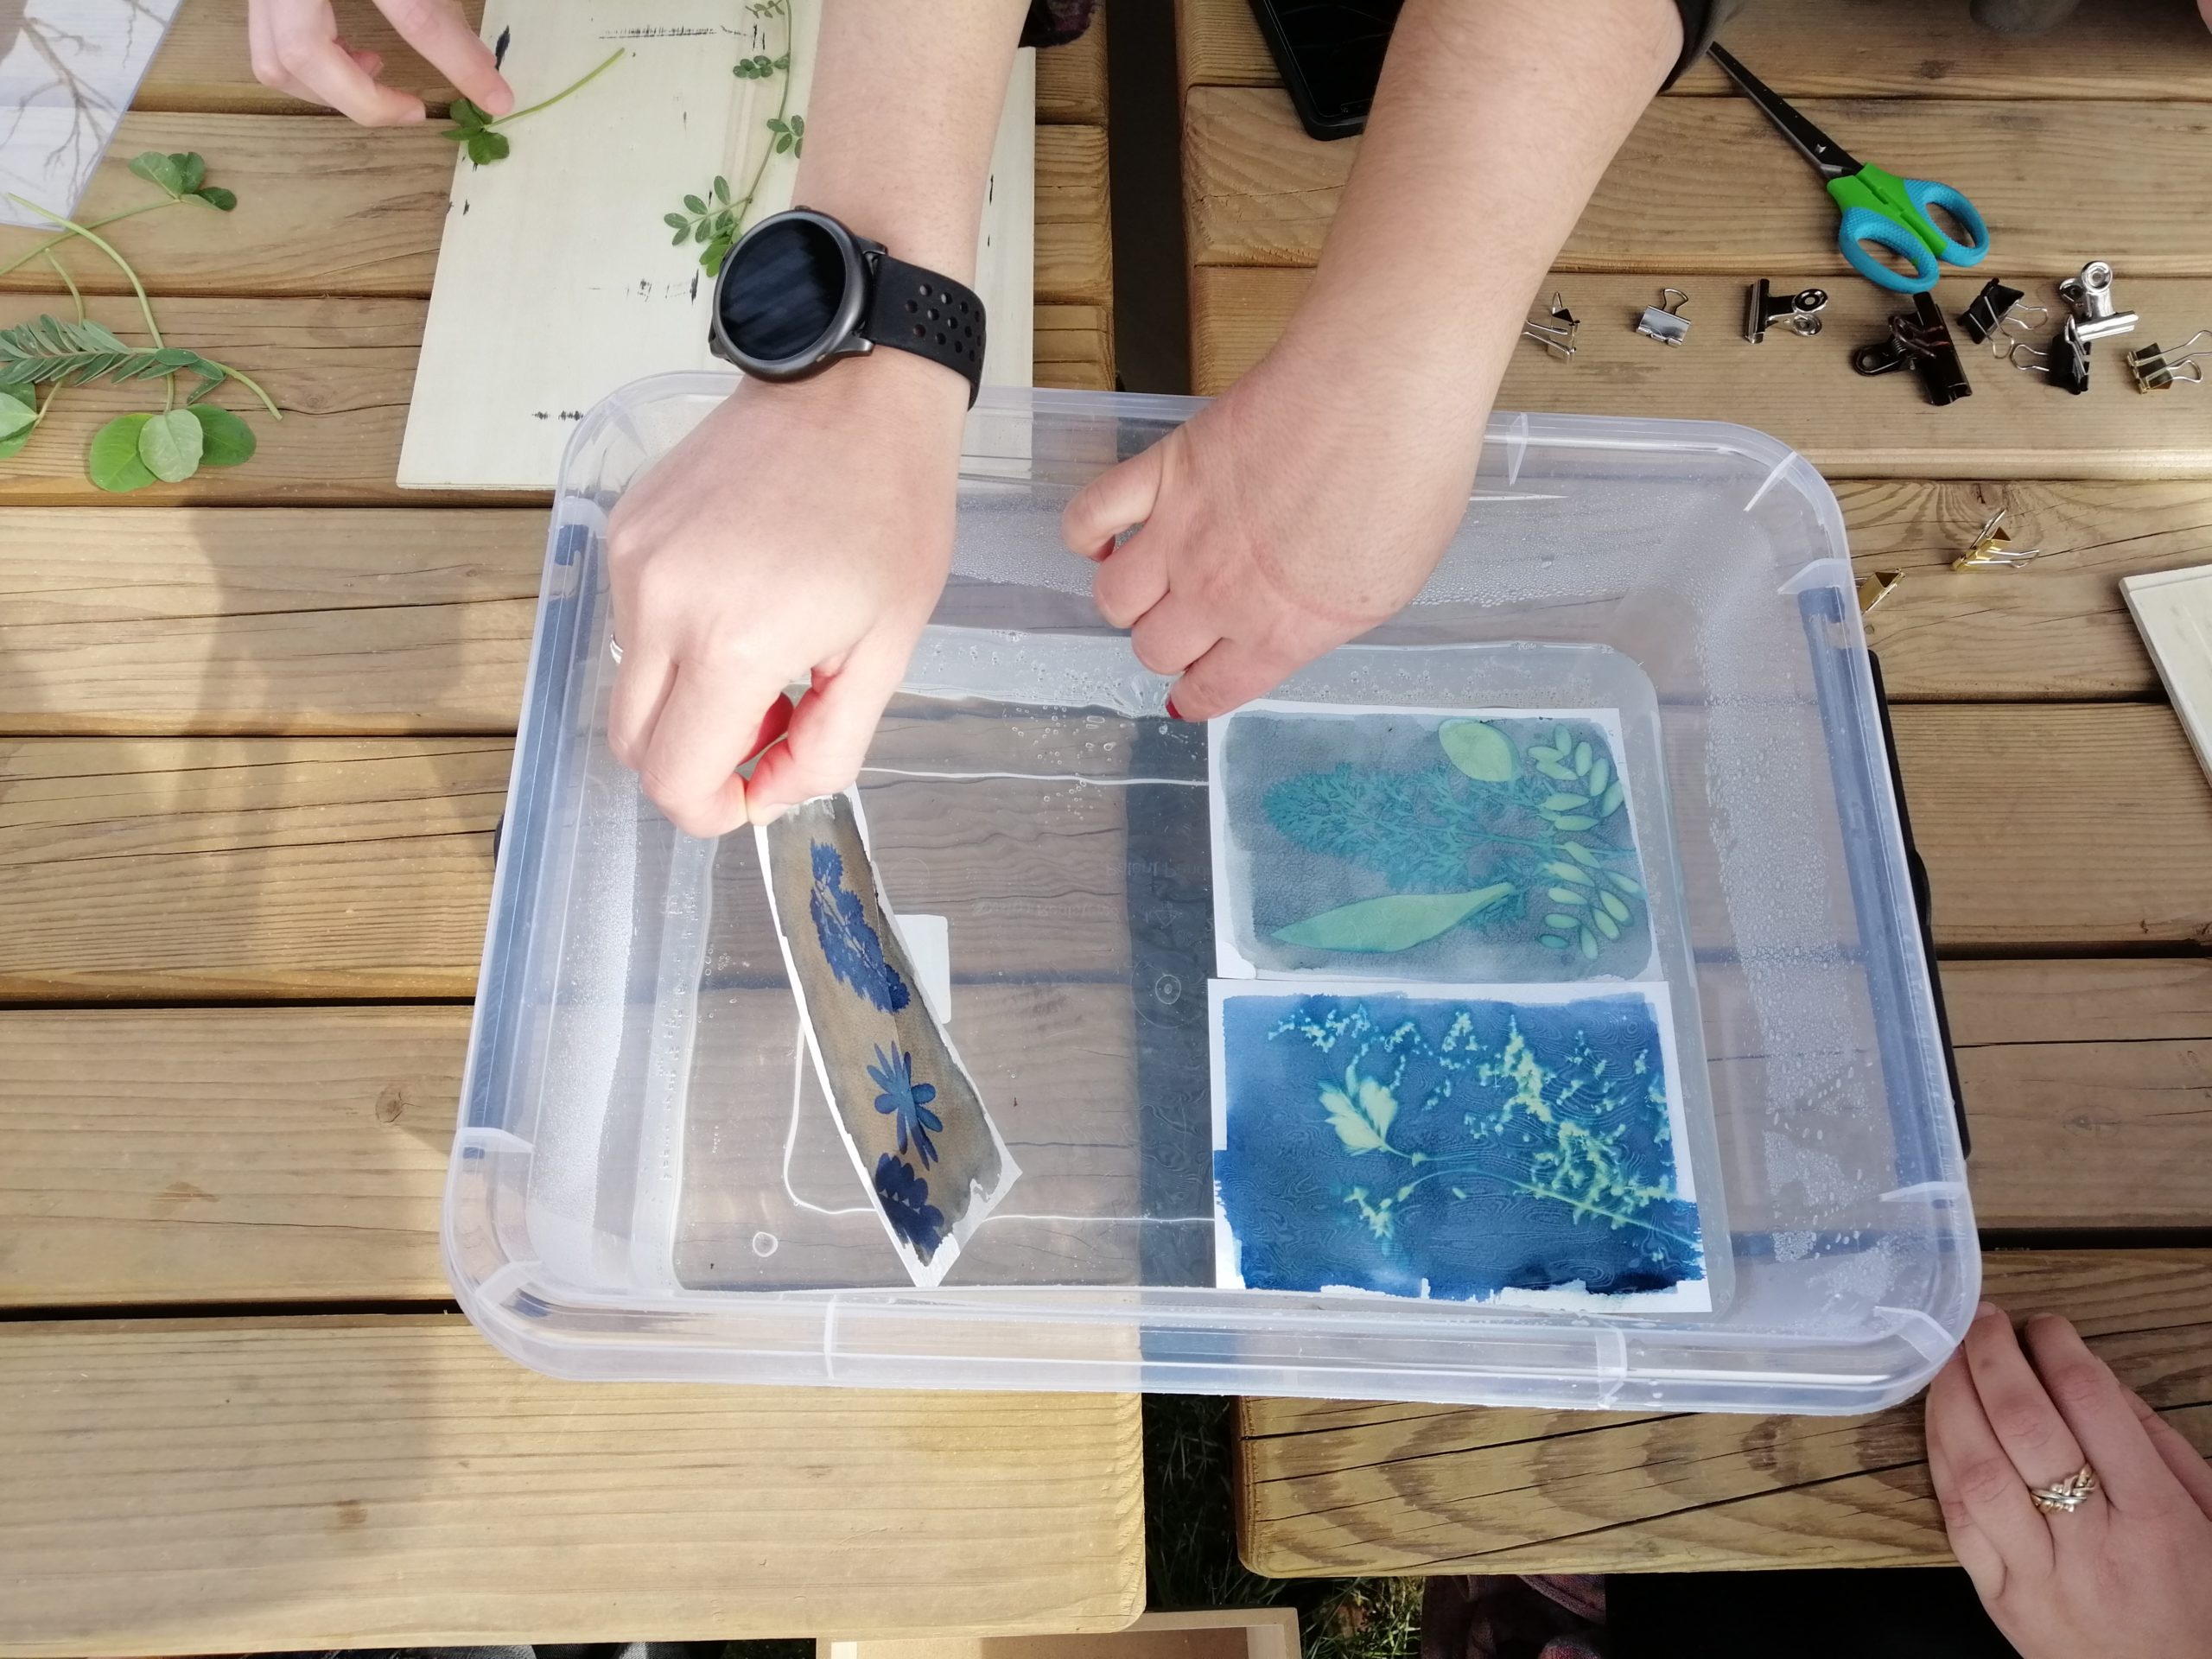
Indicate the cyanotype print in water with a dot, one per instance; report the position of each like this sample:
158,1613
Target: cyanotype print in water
1526,1146
1419,845
907,1107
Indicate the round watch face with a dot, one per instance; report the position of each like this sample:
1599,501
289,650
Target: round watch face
785,297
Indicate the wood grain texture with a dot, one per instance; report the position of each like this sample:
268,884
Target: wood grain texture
1328,1488
203,66
317,1483
1707,185
326,207
2050,824
226,1155
186,868
1075,347
2015,425
341,370
296,1154
281,620
1880,48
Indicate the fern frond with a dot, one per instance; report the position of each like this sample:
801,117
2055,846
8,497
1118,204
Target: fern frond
52,350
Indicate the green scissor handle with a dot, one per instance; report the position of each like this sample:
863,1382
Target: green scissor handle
1888,211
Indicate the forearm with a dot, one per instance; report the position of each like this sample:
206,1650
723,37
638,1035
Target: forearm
905,105
1493,125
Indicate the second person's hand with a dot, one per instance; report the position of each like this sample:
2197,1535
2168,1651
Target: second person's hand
1300,510
296,50
802,533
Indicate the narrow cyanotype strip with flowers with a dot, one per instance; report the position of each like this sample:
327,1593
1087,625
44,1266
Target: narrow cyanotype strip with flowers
910,1113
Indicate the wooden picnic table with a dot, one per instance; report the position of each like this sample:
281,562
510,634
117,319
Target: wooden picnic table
2065,825
254,738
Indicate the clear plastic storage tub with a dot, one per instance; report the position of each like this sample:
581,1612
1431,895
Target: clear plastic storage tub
648,1184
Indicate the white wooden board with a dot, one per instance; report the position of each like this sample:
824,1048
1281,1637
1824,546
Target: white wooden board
556,282
68,70
2173,612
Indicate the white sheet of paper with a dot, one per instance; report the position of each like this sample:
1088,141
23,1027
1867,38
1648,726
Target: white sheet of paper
556,282
68,69
2173,612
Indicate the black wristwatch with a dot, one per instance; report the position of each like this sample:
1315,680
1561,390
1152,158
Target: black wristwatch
799,291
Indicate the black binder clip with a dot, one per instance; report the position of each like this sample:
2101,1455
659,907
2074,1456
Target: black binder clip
1997,315
1921,342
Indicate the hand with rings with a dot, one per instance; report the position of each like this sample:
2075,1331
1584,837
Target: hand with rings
2083,1517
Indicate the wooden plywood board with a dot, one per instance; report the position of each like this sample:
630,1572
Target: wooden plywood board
67,70
1899,48
1706,184
1328,1488
233,1485
203,66
1229,1633
296,1154
1803,392
2173,612
557,284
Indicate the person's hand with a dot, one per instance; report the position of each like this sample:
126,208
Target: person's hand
1304,508
296,50
802,532
2128,1575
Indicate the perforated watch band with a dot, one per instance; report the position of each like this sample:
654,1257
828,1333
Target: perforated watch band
929,314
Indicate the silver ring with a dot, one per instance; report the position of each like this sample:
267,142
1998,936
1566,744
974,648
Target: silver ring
614,649
2064,1497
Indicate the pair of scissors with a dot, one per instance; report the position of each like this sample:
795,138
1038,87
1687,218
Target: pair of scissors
1878,209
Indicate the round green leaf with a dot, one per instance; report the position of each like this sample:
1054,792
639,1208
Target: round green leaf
1601,774
18,420
218,198
1565,896
1569,873
192,170
1553,942
113,463
1582,758
1610,803
1575,821
1606,924
1627,884
1589,945
1562,924
170,445
159,170
1553,769
1580,853
1396,921
1562,803
225,441
1479,749
675,222
1619,911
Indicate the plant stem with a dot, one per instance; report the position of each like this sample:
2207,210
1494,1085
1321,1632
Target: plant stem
145,305
611,59
91,224
783,108
253,385
66,281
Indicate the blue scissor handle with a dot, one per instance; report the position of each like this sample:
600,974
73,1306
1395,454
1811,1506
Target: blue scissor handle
1864,225
1922,192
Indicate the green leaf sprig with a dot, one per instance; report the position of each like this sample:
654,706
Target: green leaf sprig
714,217
711,219
132,451
760,67
478,132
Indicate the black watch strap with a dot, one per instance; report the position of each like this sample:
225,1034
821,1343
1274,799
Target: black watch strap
929,314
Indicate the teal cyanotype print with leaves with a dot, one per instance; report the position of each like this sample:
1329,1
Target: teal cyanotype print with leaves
1427,845
1424,1143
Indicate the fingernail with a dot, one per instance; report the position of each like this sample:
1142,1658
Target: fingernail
1172,714
1987,1311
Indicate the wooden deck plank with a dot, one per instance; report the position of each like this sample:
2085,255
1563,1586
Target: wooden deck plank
1877,49
297,1155
193,620
203,66
327,867
1705,185
231,1485
342,369
2015,425
326,207
1326,1488
289,622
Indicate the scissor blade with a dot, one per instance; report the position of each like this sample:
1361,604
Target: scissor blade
1833,160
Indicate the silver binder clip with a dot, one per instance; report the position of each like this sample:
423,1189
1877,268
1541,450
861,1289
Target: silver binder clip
1555,332
2156,370
2096,314
1663,323
1993,549
1800,313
